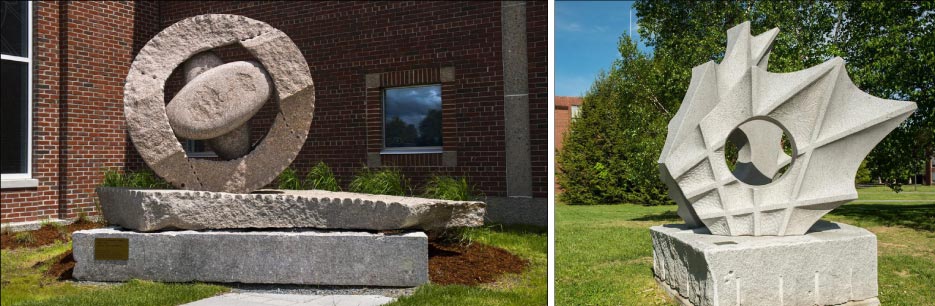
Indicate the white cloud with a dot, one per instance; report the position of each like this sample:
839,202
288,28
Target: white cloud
569,27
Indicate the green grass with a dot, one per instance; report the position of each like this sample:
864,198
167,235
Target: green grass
289,180
914,193
140,179
23,283
321,177
604,253
388,181
527,288
449,188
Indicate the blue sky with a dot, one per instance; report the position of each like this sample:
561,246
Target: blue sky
586,35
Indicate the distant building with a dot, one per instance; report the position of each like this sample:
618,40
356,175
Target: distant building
566,108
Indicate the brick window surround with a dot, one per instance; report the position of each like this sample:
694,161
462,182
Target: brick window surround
376,83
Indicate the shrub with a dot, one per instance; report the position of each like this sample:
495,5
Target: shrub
289,179
449,188
453,236
83,216
320,177
24,237
386,181
611,150
139,179
863,174
147,179
52,224
113,178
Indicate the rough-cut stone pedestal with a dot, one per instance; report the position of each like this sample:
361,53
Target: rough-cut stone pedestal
832,264
267,257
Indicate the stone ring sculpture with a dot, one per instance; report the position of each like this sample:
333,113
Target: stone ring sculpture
217,102
831,123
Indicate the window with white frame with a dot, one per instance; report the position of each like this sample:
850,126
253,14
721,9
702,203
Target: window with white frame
412,119
575,112
16,84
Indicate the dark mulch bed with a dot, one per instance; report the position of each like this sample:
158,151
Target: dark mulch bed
470,264
45,235
61,267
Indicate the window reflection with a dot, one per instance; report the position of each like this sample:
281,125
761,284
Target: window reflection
412,116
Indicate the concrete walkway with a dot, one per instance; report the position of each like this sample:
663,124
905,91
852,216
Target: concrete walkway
272,299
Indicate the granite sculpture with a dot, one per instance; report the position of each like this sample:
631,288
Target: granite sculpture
831,124
217,101
219,228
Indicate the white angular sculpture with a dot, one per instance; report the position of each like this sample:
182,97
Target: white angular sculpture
831,123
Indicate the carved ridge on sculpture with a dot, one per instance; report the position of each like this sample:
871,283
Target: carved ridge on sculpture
145,210
831,122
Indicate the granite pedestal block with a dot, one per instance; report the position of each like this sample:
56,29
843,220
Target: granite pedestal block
260,257
833,264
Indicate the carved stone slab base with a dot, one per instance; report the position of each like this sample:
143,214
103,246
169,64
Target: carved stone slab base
151,210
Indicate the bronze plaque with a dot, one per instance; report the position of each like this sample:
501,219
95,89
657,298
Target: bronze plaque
111,249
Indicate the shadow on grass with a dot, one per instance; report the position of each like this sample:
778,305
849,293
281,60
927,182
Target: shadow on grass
918,217
666,216
517,228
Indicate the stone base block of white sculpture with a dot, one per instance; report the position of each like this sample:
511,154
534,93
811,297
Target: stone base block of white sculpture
258,257
832,264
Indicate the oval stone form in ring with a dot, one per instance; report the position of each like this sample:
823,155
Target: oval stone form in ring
219,100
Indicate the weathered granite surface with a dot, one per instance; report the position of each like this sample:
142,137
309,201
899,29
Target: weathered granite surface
150,210
236,143
219,100
832,264
259,257
831,123
154,138
199,63
232,145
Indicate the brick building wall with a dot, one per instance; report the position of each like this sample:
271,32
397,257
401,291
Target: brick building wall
562,121
83,51
81,55
563,117
537,39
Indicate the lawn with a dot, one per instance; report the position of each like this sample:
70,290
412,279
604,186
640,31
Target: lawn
23,281
604,253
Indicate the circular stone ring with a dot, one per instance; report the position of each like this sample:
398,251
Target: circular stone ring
148,124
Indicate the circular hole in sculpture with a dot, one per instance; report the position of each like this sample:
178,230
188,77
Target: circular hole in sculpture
759,152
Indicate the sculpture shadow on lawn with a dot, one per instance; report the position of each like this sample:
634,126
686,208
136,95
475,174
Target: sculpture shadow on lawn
917,216
663,216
